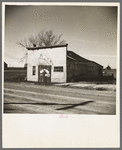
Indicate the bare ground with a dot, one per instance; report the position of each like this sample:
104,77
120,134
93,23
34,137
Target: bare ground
30,98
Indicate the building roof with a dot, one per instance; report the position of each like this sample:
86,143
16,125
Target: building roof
5,63
45,47
110,70
108,67
76,57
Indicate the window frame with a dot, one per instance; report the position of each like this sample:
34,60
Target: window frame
33,70
58,69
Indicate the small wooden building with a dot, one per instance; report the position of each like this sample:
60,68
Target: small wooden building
47,64
5,65
79,68
57,64
108,72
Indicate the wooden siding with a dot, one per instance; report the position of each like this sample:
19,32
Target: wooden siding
79,71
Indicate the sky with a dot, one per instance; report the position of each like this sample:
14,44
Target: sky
90,31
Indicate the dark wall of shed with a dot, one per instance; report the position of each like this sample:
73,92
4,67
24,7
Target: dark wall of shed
81,71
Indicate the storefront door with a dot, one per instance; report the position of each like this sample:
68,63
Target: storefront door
44,73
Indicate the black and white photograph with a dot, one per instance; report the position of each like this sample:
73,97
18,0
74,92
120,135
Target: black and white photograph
60,59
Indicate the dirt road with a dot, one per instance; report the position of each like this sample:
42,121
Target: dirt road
40,99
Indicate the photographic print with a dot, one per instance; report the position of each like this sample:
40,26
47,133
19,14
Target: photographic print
60,59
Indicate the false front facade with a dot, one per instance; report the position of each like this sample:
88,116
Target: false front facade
47,64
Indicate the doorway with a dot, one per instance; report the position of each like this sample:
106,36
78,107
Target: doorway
44,73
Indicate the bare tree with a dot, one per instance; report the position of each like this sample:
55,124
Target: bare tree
44,38
47,38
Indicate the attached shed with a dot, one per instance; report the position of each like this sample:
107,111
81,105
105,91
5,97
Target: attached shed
79,68
57,64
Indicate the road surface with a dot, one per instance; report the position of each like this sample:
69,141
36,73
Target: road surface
28,98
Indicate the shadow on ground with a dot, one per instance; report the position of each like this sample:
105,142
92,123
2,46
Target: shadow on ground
74,105
64,108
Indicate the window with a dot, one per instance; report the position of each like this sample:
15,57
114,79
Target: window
34,70
58,69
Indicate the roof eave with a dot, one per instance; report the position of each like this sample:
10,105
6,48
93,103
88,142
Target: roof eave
45,47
